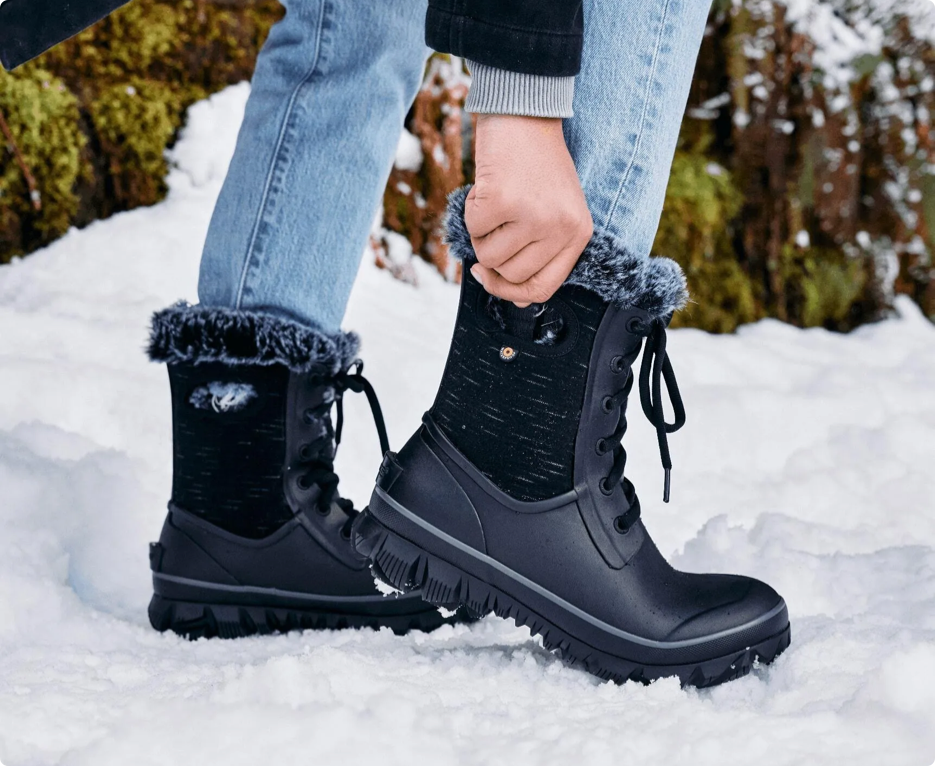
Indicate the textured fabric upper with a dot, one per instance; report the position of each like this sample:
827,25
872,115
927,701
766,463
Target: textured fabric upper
228,463
516,420
655,285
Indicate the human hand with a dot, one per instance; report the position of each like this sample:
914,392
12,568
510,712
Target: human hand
526,214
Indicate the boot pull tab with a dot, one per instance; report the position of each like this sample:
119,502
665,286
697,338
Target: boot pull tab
521,322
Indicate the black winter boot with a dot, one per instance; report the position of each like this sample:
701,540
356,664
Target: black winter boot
257,538
511,497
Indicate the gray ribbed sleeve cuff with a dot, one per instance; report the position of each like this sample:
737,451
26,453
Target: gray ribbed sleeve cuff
498,91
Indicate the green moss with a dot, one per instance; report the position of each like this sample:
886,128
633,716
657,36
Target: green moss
701,201
43,117
95,114
134,123
822,285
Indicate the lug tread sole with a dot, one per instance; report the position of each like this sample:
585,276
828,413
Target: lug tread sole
196,620
406,566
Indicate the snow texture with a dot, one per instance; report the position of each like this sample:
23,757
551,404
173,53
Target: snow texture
408,152
807,461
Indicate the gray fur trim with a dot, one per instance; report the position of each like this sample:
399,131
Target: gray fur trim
656,285
200,334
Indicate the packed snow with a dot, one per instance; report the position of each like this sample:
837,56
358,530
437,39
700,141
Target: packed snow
808,461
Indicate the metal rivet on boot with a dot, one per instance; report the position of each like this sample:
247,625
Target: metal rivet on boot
508,354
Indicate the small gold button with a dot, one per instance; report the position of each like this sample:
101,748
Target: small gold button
507,353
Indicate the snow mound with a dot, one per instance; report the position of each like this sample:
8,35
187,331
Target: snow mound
807,461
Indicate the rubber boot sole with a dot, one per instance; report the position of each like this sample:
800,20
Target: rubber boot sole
206,610
406,566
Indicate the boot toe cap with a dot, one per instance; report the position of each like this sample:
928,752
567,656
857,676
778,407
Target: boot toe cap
749,610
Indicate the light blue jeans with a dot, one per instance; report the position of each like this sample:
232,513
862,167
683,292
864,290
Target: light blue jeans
331,90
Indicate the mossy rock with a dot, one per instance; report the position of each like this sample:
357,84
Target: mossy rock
823,286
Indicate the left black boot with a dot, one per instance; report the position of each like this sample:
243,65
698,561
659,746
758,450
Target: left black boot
257,538
512,498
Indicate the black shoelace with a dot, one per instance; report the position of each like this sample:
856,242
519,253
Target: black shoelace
319,454
654,369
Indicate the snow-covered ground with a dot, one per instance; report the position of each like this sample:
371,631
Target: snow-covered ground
808,461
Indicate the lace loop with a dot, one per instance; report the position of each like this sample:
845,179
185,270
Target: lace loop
320,453
356,382
654,370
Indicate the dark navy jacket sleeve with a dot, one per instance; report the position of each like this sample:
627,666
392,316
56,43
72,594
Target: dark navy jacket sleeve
31,27
538,37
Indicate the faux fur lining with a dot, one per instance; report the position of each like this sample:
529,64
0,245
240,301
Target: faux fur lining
655,285
199,334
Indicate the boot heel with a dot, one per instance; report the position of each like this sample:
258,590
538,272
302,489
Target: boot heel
406,567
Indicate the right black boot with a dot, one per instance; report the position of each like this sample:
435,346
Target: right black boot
257,537
511,498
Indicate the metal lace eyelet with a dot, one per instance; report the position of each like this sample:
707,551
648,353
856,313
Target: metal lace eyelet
620,526
302,483
323,510
601,447
346,533
608,404
309,416
605,488
616,364
508,353
305,452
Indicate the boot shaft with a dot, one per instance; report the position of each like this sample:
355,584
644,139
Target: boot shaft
252,394
514,385
245,440
525,392
229,444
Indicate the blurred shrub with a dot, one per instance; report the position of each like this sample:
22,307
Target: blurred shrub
93,116
820,112
701,196
46,125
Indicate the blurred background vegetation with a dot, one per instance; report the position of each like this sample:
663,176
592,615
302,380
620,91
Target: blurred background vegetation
803,187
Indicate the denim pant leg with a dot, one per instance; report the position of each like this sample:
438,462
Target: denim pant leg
331,89
639,58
